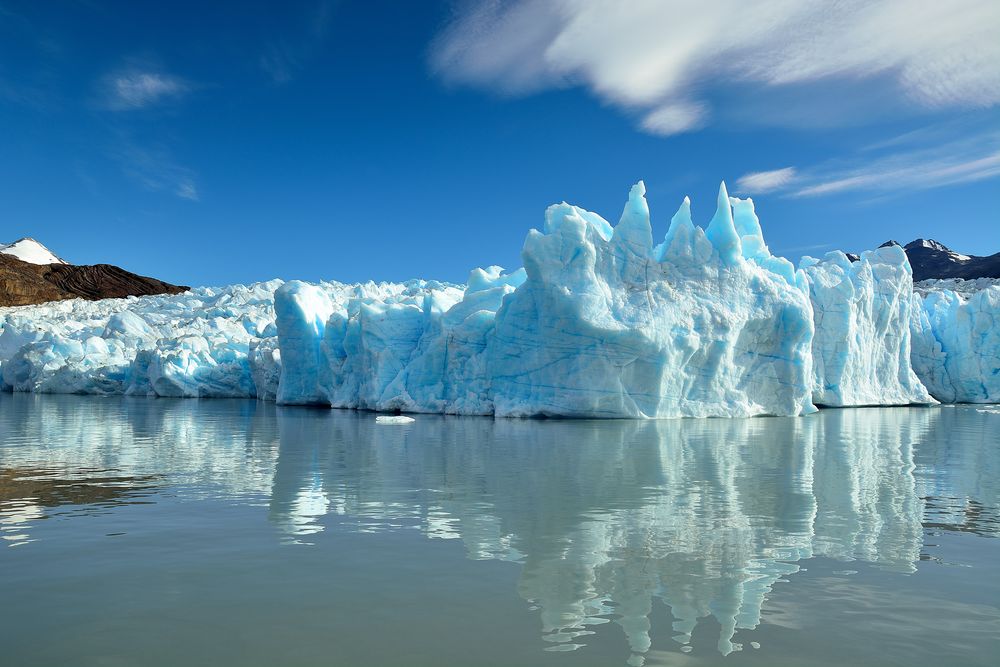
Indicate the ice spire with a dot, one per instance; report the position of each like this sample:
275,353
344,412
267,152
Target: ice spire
722,232
633,229
677,242
748,227
681,220
684,243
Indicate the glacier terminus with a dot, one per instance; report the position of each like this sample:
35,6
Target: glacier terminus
602,321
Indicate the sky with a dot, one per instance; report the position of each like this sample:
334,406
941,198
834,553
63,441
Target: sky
214,143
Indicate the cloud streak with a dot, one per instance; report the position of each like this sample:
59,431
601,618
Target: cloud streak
155,170
897,165
660,60
675,118
140,85
765,181
138,89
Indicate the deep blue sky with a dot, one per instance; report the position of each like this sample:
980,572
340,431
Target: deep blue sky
211,144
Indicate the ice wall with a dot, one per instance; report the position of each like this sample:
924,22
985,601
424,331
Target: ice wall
862,312
360,351
956,342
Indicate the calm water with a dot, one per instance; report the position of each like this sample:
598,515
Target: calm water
162,532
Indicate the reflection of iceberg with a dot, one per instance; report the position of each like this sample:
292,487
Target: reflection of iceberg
605,518
298,499
868,505
706,516
960,477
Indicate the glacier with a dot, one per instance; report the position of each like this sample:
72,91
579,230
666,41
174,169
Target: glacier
600,323
195,344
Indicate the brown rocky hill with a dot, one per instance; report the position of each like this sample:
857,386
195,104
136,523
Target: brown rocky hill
24,283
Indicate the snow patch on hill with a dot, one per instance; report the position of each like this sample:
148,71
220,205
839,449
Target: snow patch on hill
31,251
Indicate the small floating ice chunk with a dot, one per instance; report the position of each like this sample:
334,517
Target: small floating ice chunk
394,419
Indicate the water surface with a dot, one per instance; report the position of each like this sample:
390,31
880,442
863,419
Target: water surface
169,532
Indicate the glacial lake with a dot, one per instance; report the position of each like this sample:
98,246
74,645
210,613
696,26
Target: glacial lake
216,532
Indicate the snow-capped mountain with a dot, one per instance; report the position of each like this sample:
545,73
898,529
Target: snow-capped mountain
30,273
29,250
933,259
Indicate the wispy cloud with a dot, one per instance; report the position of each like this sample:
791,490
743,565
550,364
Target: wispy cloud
155,169
896,165
662,59
138,88
141,147
286,54
675,118
765,181
920,170
186,190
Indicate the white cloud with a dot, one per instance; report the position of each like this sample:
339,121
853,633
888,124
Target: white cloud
651,56
759,182
895,166
139,89
906,172
675,119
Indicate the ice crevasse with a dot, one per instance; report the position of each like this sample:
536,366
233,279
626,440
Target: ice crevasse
600,322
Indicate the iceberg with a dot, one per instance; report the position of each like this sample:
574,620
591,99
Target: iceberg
606,325
599,323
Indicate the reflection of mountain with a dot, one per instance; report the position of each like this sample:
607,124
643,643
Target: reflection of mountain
221,444
57,453
26,493
606,518
48,489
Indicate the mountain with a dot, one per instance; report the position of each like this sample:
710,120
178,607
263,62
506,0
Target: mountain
31,251
933,259
31,273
